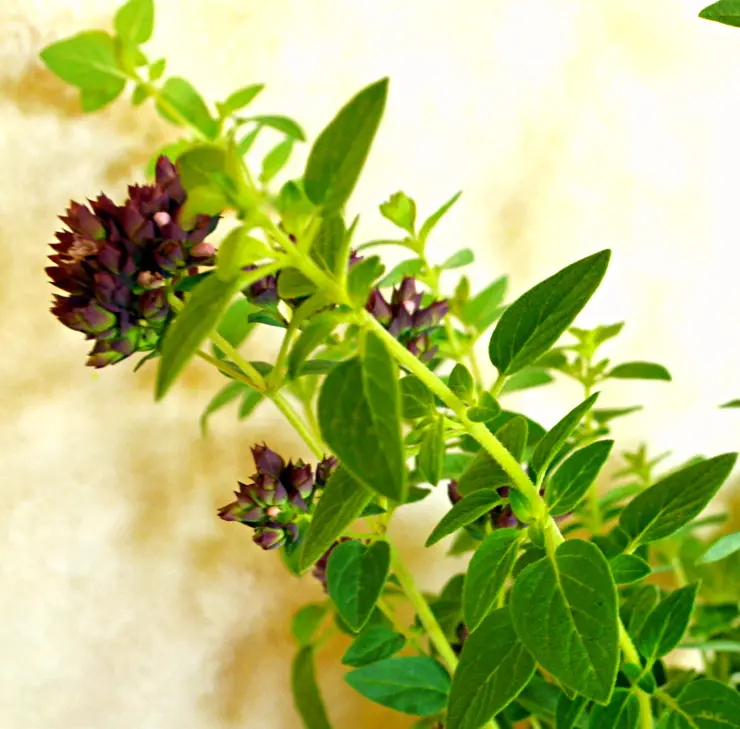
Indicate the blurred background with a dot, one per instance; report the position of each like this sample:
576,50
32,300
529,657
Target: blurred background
570,125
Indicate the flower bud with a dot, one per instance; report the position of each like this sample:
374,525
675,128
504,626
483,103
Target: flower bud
170,256
325,469
267,461
269,537
153,305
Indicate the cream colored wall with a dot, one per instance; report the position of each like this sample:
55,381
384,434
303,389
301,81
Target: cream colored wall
571,126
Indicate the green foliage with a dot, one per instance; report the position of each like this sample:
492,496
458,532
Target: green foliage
629,568
416,399
134,22
721,549
415,685
373,644
484,308
307,621
724,11
306,694
640,371
622,712
463,513
400,209
431,454
706,704
430,223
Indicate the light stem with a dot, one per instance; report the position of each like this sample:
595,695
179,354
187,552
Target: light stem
630,655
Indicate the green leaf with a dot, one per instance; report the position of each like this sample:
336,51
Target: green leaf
526,379
535,321
134,21
140,94
565,612
411,267
355,576
86,60
722,548
640,371
436,216
223,397
637,607
629,568
463,257
235,326
310,338
238,249
487,409
239,99
416,685
95,99
464,512
555,438
361,278
482,310
731,404
306,694
707,704
400,209
193,324
723,646
674,501
203,200
431,454
569,484
275,160
568,711
724,11
307,621
292,284
494,667
252,398
622,712
180,103
340,151
359,412
342,501
375,643
329,243
417,400
604,415
484,472
461,382
665,626
281,124
487,573
156,69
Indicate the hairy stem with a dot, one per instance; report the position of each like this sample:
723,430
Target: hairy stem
630,654
294,419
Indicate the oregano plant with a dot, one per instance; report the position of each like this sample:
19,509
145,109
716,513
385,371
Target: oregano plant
575,594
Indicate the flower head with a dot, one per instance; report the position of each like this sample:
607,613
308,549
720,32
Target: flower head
111,261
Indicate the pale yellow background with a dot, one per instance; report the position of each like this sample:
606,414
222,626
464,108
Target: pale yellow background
572,125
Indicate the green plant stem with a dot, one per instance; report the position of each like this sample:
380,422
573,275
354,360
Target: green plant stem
294,419
390,613
225,368
593,492
498,385
474,367
630,654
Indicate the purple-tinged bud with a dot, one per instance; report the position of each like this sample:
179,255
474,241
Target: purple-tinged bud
82,221
111,291
135,225
405,292
203,250
111,257
503,492
170,256
379,307
91,318
430,354
229,512
153,305
506,518
354,259
267,461
324,469
431,316
168,179
269,537
149,280
453,492
402,321
80,249
300,478
319,569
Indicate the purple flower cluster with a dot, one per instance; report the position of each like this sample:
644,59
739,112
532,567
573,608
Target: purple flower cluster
112,262
405,318
276,496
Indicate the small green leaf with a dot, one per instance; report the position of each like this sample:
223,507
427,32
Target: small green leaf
535,321
280,124
375,643
359,412
416,685
604,415
134,21
140,94
355,575
400,209
486,410
275,160
724,11
203,200
417,400
180,103
629,568
310,338
292,284
674,501
237,250
665,626
568,711
526,379
239,99
722,548
156,69
461,382
464,512
637,607
361,278
622,712
342,501
731,403
235,326
411,267
494,667
222,398
431,454
462,258
484,472
86,60
307,621
193,324
707,704
569,484
95,99
436,216
552,442
252,398
565,612
306,694
487,573
483,309
340,151
640,371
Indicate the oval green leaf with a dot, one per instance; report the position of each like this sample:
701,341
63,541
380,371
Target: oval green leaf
375,643
306,695
640,371
722,548
629,568
464,512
